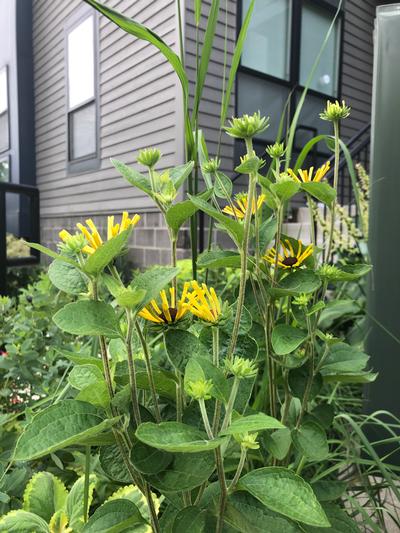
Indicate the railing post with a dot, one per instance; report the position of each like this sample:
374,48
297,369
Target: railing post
3,242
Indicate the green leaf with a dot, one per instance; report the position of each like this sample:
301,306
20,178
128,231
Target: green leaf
180,345
97,394
178,213
234,228
299,282
67,278
350,272
248,424
52,253
284,492
74,503
175,437
191,519
285,339
324,413
202,368
337,309
311,441
249,166
219,259
58,426
81,359
153,281
107,252
327,491
180,173
298,378
267,232
149,460
340,521
284,190
114,516
223,186
278,443
321,191
133,177
44,495
83,375
186,472
248,515
22,522
352,377
112,463
343,358
164,381
88,318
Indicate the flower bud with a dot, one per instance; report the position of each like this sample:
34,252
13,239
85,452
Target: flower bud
72,244
247,126
247,441
302,300
275,151
200,389
211,166
329,272
241,368
149,157
335,111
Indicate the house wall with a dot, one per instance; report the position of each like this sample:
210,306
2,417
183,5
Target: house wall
138,108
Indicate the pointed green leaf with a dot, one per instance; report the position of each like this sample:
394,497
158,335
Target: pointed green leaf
180,345
285,189
115,516
107,252
133,177
299,282
175,437
153,281
22,522
311,441
96,394
219,259
284,492
278,443
178,213
67,278
191,519
285,339
248,424
44,495
320,190
83,375
52,253
74,503
180,173
223,186
88,318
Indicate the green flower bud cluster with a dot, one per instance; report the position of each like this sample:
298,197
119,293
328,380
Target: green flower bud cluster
149,157
329,272
247,441
241,368
275,151
165,188
247,126
211,166
302,300
74,245
200,389
335,111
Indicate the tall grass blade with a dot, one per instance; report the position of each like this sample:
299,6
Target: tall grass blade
197,11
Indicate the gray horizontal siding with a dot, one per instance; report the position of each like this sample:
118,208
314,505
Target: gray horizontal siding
138,108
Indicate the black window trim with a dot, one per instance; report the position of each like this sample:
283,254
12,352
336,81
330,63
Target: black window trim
90,162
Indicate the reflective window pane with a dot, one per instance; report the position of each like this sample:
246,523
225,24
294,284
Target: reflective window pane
266,48
81,63
314,27
4,127
5,169
264,96
83,132
18,227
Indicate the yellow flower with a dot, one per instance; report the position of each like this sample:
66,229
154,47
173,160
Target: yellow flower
307,175
92,235
239,210
170,311
204,303
289,259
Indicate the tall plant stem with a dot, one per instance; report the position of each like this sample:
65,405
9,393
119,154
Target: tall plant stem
149,370
179,396
242,461
173,241
86,485
215,338
311,375
243,255
231,403
132,370
312,221
335,186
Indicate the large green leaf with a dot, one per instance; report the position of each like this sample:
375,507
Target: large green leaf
88,318
112,463
180,173
298,379
153,281
285,189
164,381
248,424
181,345
107,252
340,521
149,460
234,228
44,495
350,272
114,516
67,278
320,190
133,177
285,339
344,358
327,490
248,515
175,437
96,393
178,213
337,309
51,253
223,186
278,443
83,375
58,426
299,282
219,259
74,503
23,522
191,519
201,368
310,439
284,492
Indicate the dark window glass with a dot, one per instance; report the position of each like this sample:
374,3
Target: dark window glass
83,132
4,115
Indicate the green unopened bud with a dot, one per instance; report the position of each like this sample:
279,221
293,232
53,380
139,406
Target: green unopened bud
149,157
73,245
247,126
283,177
247,441
335,111
200,389
302,300
329,272
211,166
275,151
241,368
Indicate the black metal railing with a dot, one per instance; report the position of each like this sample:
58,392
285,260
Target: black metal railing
29,224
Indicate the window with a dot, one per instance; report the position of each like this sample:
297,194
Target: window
267,47
4,115
82,99
315,22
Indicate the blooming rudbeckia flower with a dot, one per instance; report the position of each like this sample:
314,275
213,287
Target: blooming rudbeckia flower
170,311
204,303
239,210
307,175
289,259
92,235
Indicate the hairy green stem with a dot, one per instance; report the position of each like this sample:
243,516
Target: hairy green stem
132,370
311,375
335,186
204,416
242,461
231,403
215,338
86,485
179,396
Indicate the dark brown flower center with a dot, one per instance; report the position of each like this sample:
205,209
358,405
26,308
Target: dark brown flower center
173,312
289,261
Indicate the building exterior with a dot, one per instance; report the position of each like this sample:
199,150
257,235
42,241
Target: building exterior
76,90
